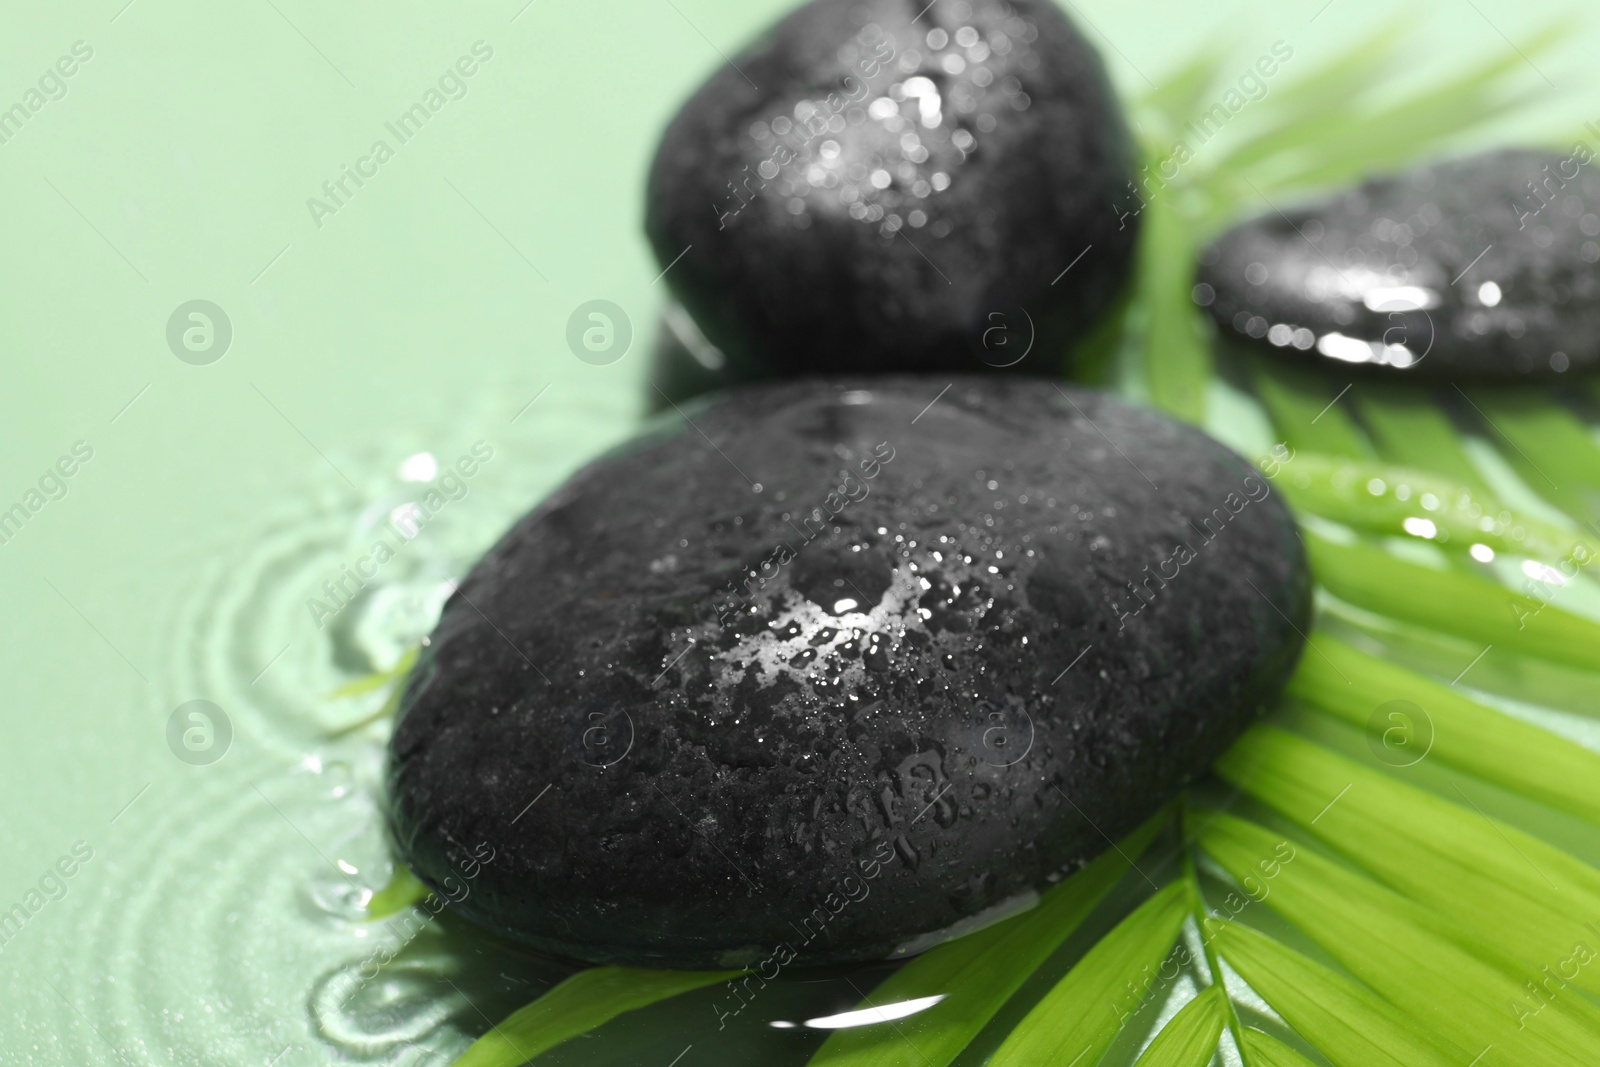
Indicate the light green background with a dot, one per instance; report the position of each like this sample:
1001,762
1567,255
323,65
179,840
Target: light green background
421,317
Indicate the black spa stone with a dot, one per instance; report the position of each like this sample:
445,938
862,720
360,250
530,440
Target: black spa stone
836,669
882,185
1481,269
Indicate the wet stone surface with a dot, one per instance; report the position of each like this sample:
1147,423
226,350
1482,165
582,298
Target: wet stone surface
1485,268
952,641
880,185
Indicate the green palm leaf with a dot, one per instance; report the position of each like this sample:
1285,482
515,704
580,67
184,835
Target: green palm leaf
1554,453
402,890
1306,412
1383,499
1412,430
1348,144
1299,108
1190,1037
1497,887
1075,1022
1454,603
1354,686
1319,789
1174,99
1264,1050
977,974
1350,1025
586,1000
1392,944
1177,363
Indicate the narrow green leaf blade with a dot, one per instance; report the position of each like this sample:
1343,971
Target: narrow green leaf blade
1320,789
1306,412
1301,107
1355,687
1527,901
1411,429
1076,1021
1386,499
1393,138
1264,1050
1345,143
402,891
1174,99
1455,603
1190,1037
978,973
1351,1026
367,683
586,1000
1391,944
1549,447
393,679
1176,361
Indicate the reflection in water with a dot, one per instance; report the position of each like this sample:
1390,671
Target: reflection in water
403,1005
230,896
865,1016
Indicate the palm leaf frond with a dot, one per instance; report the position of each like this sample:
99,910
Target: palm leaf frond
583,1002
1190,1037
1077,1020
977,974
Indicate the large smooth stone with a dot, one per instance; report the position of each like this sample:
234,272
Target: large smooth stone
842,667
876,185
1483,268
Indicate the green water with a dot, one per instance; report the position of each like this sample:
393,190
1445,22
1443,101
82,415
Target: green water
211,912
